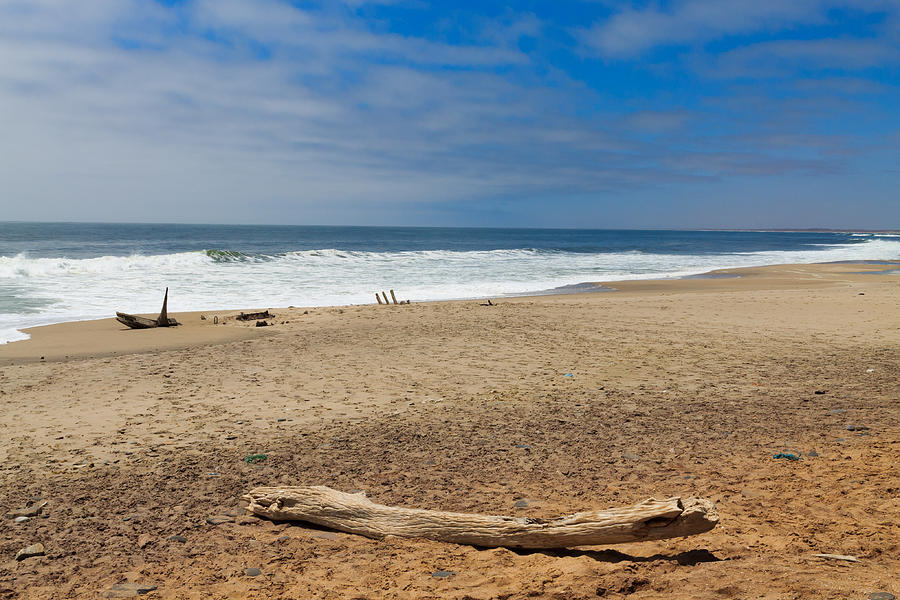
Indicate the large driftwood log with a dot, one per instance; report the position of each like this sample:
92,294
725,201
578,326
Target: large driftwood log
354,513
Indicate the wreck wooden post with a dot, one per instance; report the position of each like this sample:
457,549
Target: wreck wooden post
377,297
385,297
354,513
163,319
393,297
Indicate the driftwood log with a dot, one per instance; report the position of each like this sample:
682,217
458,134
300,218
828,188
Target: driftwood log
354,513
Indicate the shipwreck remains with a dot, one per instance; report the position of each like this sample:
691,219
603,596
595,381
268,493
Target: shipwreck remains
354,513
255,316
137,322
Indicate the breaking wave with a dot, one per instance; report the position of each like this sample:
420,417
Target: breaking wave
64,289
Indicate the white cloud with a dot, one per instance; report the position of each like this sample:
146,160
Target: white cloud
192,121
634,31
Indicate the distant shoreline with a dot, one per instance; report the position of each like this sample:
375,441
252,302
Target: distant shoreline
67,340
474,227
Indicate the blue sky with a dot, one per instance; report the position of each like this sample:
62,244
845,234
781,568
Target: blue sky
687,113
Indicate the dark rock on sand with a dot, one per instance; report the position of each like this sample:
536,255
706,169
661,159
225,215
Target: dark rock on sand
442,574
127,590
252,572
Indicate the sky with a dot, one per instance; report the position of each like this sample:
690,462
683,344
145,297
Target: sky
592,113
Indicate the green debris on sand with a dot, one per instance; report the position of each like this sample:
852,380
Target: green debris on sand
788,456
255,458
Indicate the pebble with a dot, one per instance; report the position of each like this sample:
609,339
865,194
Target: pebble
630,456
219,519
837,411
523,446
30,551
881,596
252,572
127,590
812,454
856,428
521,503
820,392
177,538
442,574
21,520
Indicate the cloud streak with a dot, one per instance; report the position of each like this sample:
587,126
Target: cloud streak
321,115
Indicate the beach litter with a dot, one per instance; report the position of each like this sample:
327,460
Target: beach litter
788,456
568,375
844,557
255,458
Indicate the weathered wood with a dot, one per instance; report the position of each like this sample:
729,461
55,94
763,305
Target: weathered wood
385,297
137,322
377,297
163,319
255,316
393,297
354,513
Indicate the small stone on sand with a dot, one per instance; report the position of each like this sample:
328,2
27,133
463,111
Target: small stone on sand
30,551
219,519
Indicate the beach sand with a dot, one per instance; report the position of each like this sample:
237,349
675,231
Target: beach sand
569,402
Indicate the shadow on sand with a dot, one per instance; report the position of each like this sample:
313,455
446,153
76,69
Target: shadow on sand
689,558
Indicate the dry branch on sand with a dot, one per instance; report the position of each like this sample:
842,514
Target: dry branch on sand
354,513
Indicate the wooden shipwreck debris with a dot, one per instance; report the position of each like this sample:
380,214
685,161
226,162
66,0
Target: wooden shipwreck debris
354,513
136,322
386,301
255,316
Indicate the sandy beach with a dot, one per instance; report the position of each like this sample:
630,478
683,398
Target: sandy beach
535,406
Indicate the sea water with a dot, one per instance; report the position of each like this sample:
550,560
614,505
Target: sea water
54,272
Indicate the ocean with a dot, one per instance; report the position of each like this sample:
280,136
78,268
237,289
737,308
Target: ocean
55,272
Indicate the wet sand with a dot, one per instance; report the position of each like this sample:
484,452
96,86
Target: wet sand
569,402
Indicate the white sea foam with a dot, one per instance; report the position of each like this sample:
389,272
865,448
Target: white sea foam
61,289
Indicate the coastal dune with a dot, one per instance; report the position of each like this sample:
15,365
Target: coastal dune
534,406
